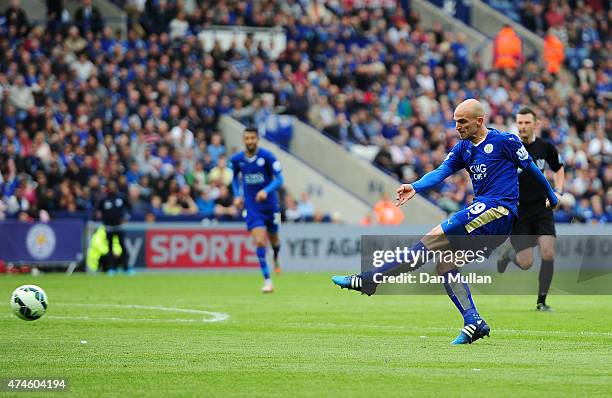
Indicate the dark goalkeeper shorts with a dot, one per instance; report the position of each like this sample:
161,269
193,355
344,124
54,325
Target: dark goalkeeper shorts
534,220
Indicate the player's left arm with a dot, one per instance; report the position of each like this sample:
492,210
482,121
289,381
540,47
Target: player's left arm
277,179
515,150
556,165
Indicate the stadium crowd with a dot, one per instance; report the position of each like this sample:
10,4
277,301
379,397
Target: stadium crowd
81,105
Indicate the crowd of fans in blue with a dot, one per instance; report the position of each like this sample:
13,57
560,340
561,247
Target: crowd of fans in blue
81,105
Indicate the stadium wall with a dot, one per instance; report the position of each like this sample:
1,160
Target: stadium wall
56,242
356,175
305,247
326,195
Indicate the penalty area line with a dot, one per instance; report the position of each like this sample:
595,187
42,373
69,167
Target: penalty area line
207,316
214,316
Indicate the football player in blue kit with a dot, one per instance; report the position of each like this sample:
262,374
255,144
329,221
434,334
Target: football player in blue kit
491,159
260,174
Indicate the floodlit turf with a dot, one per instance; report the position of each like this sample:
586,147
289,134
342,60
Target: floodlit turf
309,338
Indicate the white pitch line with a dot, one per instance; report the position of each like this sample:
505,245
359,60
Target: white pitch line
209,316
105,318
215,316
88,318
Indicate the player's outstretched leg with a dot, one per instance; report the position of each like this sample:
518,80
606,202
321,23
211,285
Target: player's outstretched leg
365,282
474,327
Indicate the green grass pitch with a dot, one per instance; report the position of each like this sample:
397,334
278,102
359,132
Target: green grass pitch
309,338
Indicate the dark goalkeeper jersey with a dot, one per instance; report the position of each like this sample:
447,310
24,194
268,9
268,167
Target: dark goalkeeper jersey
542,152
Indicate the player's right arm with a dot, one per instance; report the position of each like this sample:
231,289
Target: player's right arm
236,188
451,164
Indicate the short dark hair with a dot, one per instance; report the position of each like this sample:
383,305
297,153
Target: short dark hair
527,111
251,129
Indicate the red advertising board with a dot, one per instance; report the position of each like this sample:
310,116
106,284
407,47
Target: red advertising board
197,248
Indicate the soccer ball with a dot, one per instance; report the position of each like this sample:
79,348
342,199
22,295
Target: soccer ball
29,302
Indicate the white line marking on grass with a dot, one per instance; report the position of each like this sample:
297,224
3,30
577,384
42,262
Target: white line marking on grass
111,318
209,316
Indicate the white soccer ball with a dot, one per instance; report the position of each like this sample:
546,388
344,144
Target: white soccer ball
29,302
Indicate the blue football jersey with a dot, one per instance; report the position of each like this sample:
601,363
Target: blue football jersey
256,173
493,167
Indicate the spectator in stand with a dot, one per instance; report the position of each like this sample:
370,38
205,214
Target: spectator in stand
292,213
88,18
186,202
221,173
224,207
206,206
216,147
172,207
16,19
298,103
17,203
507,49
179,26
21,96
553,53
181,135
138,205
386,212
83,67
321,115
55,9
306,207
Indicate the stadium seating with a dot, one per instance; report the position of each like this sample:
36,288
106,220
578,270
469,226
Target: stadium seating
143,109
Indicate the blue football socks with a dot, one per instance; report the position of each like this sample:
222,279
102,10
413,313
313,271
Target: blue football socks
460,294
263,265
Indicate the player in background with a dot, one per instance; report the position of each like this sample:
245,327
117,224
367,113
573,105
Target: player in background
536,224
492,159
261,176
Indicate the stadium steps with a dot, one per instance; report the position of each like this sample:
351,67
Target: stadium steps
477,42
356,175
489,21
326,195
